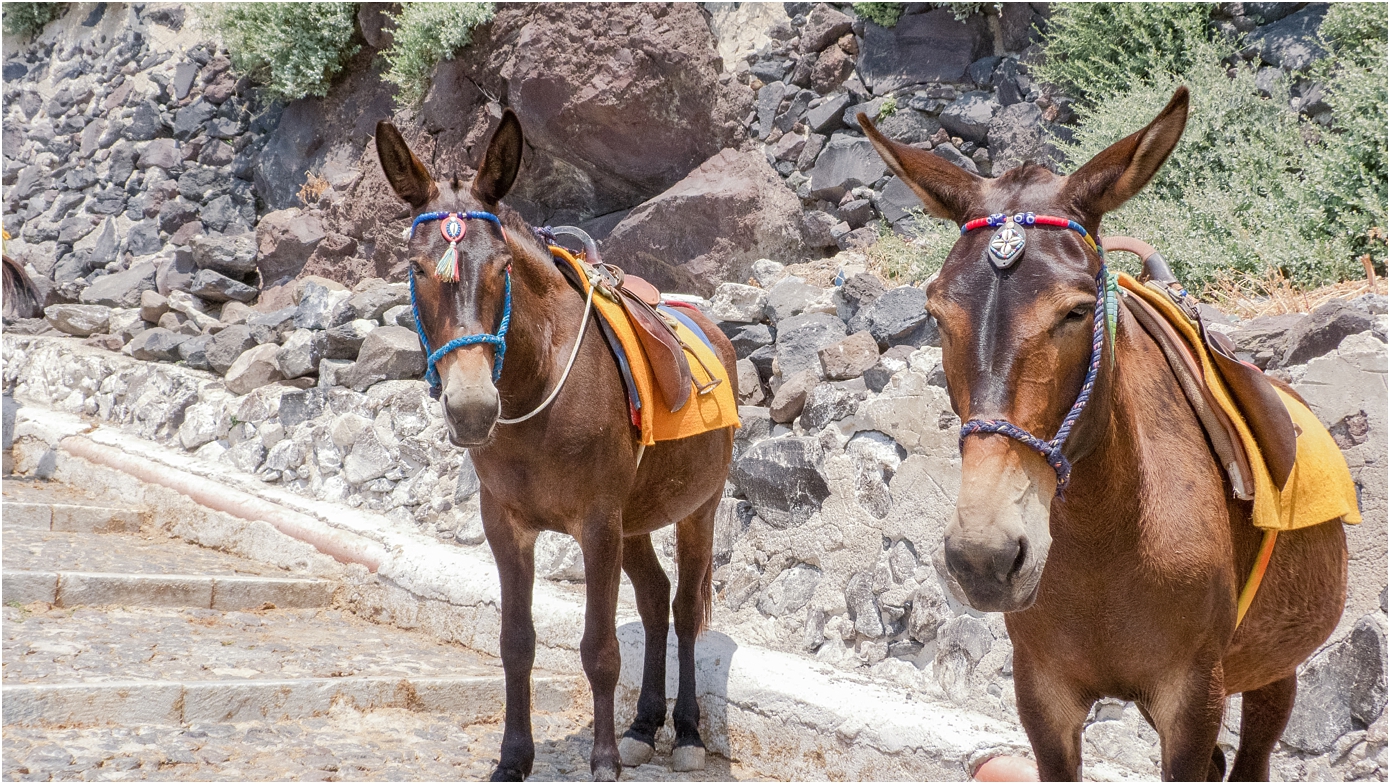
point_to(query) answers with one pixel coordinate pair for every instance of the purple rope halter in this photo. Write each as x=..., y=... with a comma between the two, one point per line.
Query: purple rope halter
x=1052, y=450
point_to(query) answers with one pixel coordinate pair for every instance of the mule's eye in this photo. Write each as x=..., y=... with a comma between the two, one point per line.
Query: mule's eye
x=1079, y=313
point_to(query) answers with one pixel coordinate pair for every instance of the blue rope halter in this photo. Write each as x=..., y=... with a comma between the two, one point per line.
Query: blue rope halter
x=1104, y=321
x=497, y=340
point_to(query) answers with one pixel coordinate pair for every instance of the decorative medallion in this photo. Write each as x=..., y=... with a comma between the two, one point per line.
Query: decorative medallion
x=452, y=228
x=1006, y=245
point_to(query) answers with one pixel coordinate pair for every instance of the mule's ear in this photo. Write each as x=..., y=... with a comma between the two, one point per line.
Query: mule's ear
x=1125, y=167
x=408, y=177
x=946, y=190
x=500, y=163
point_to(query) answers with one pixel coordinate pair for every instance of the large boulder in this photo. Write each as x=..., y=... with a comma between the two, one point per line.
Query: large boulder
x=79, y=320
x=388, y=353
x=922, y=48
x=1292, y=42
x=847, y=162
x=233, y=255
x=122, y=289
x=620, y=116
x=285, y=239
x=1322, y=331
x=800, y=339
x=780, y=477
x=254, y=369
x=224, y=347
x=711, y=226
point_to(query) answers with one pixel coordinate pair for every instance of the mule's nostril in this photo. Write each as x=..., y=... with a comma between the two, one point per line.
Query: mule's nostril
x=1022, y=557
x=1007, y=560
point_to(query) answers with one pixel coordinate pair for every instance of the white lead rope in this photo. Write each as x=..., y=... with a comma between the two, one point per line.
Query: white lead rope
x=583, y=327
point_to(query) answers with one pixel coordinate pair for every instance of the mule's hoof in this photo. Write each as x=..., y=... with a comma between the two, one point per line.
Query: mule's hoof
x=685, y=759
x=507, y=774
x=606, y=772
x=634, y=752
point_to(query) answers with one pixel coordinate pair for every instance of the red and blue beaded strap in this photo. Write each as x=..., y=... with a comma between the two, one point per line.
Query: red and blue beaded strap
x=1031, y=219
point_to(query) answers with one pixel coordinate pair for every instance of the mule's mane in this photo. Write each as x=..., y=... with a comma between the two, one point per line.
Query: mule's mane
x=1029, y=173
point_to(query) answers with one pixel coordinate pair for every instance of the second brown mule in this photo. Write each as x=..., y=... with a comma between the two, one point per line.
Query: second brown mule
x=573, y=468
x=1126, y=585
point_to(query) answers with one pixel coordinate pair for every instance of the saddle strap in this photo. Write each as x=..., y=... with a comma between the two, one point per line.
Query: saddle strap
x=1221, y=433
x=664, y=352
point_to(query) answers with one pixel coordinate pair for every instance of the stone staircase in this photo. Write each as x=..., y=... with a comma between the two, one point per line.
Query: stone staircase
x=131, y=654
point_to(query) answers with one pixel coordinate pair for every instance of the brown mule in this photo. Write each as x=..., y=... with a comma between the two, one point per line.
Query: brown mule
x=1145, y=552
x=572, y=468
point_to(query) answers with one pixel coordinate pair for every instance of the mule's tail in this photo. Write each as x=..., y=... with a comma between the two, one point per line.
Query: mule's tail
x=21, y=295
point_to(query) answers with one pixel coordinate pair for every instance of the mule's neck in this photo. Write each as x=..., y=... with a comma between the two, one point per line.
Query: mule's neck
x=546, y=313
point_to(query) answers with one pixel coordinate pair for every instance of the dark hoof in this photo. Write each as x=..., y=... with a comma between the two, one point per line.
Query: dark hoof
x=606, y=772
x=507, y=774
x=685, y=759
x=634, y=752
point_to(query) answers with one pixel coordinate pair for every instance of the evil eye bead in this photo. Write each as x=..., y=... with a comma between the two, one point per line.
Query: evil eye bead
x=452, y=228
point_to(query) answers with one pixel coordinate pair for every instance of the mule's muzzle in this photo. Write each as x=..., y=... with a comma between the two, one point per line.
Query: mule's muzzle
x=470, y=412
x=1000, y=574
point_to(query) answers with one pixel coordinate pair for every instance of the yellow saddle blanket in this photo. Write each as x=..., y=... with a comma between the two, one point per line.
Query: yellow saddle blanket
x=713, y=410
x=1319, y=487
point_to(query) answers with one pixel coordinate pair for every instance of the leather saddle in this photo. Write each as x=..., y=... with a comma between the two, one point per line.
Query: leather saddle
x=639, y=299
x=1254, y=392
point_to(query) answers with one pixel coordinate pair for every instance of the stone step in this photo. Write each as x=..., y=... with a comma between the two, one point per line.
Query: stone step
x=221, y=592
x=71, y=518
x=466, y=698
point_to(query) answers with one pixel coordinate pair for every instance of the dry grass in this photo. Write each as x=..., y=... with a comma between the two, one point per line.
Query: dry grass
x=1246, y=296
x=313, y=187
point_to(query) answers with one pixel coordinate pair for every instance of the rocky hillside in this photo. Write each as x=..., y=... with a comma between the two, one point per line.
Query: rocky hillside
x=218, y=274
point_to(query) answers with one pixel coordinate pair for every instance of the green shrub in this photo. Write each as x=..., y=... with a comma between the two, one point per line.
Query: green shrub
x=887, y=109
x=881, y=14
x=25, y=19
x=1094, y=50
x=425, y=34
x=294, y=48
x=1246, y=191
x=917, y=252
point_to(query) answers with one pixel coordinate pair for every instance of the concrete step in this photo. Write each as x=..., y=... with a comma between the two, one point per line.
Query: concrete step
x=466, y=698
x=76, y=518
x=224, y=592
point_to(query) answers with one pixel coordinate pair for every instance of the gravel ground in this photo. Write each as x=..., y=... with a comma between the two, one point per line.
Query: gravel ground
x=383, y=745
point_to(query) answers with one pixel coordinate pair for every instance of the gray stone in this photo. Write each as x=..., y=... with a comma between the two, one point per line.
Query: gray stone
x=335, y=372
x=224, y=347
x=1322, y=331
x=228, y=215
x=175, y=271
x=909, y=126
x=157, y=344
x=272, y=327
x=739, y=303
x=126, y=324
x=79, y=320
x=889, y=362
x=930, y=612
x=388, y=353
x=143, y=238
x=827, y=117
x=216, y=287
x=750, y=385
x=399, y=316
x=345, y=340
x=748, y=338
x=800, y=339
x=847, y=162
x=767, y=273
x=921, y=48
x=792, y=296
x=849, y=358
x=121, y=289
x=162, y=154
x=1291, y=42
x=818, y=226
x=955, y=157
x=828, y=403
x=790, y=399
x=299, y=356
x=285, y=240
x=1016, y=137
x=857, y=212
x=780, y=478
x=824, y=26
x=769, y=99
x=858, y=292
x=468, y=483
x=960, y=644
x=193, y=118
x=193, y=352
x=371, y=304
x=790, y=591
x=897, y=317
x=1265, y=337
x=316, y=305
x=1339, y=688
x=969, y=116
x=254, y=369
x=233, y=256
x=368, y=458
x=863, y=605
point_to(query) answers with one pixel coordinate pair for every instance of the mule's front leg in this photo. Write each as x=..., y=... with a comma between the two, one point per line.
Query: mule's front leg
x=513, y=548
x=602, y=544
x=1053, y=713
x=1186, y=711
